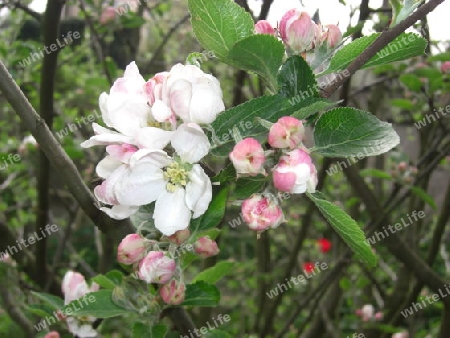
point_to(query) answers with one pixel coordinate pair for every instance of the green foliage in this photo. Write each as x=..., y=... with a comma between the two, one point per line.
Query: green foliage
x=140, y=330
x=201, y=294
x=215, y=273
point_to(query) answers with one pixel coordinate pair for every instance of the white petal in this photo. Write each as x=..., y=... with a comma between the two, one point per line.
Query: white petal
x=161, y=112
x=102, y=102
x=198, y=191
x=153, y=138
x=104, y=136
x=171, y=212
x=119, y=211
x=190, y=142
x=128, y=112
x=158, y=158
x=107, y=166
x=180, y=98
x=205, y=106
x=105, y=191
x=141, y=185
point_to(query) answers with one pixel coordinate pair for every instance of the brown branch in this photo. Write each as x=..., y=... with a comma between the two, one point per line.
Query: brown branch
x=382, y=41
x=28, y=10
x=58, y=157
x=50, y=29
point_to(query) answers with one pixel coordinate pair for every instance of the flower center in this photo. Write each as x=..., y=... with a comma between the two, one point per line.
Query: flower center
x=176, y=176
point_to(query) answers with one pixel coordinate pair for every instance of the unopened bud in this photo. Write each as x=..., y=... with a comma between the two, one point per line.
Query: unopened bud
x=261, y=212
x=156, y=268
x=288, y=132
x=264, y=27
x=180, y=236
x=248, y=157
x=173, y=292
x=131, y=250
x=206, y=247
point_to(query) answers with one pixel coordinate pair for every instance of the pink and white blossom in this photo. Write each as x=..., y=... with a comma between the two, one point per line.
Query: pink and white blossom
x=206, y=247
x=156, y=267
x=248, y=157
x=131, y=249
x=297, y=31
x=173, y=293
x=265, y=27
x=261, y=212
x=287, y=132
x=295, y=173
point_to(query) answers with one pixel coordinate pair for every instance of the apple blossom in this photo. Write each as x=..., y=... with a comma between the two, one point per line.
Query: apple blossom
x=445, y=67
x=192, y=95
x=53, y=334
x=248, y=157
x=287, y=132
x=173, y=292
x=264, y=27
x=295, y=173
x=156, y=268
x=74, y=287
x=297, y=30
x=332, y=37
x=131, y=249
x=206, y=247
x=262, y=212
x=108, y=14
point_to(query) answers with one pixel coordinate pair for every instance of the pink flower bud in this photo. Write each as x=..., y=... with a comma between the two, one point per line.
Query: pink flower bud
x=108, y=14
x=180, y=236
x=445, y=67
x=156, y=268
x=261, y=212
x=295, y=173
x=264, y=27
x=288, y=132
x=52, y=334
x=248, y=157
x=379, y=316
x=402, y=166
x=297, y=30
x=332, y=37
x=206, y=247
x=173, y=292
x=131, y=250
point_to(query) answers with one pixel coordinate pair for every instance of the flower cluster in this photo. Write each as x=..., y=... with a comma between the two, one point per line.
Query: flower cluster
x=155, y=143
x=367, y=313
x=160, y=267
x=300, y=34
x=294, y=173
x=74, y=287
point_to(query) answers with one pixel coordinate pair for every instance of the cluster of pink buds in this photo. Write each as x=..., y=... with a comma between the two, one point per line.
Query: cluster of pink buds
x=160, y=267
x=367, y=313
x=404, y=173
x=294, y=173
x=300, y=34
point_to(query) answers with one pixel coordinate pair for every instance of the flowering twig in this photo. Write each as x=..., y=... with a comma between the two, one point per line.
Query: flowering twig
x=383, y=40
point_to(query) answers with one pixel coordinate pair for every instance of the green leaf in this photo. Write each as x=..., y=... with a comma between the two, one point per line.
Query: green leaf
x=214, y=274
x=104, y=282
x=346, y=227
x=201, y=294
x=400, y=12
x=41, y=310
x=247, y=186
x=140, y=330
x=115, y=276
x=412, y=82
x=403, y=47
x=440, y=57
x=55, y=302
x=219, y=24
x=312, y=106
x=260, y=53
x=216, y=210
x=217, y=334
x=225, y=175
x=403, y=103
x=424, y=197
x=375, y=173
x=244, y=117
x=345, y=132
x=296, y=77
x=97, y=304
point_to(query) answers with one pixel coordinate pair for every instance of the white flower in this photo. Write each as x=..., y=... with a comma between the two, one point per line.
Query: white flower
x=193, y=95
